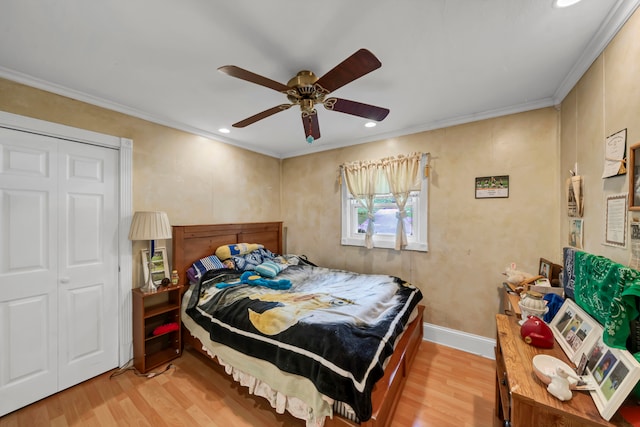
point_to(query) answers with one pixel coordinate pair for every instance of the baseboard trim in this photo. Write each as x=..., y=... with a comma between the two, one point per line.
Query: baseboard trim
x=463, y=341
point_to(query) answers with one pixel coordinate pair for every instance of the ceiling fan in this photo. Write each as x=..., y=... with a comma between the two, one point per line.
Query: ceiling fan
x=307, y=90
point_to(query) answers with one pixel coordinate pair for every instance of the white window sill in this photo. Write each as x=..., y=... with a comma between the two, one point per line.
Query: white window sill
x=385, y=243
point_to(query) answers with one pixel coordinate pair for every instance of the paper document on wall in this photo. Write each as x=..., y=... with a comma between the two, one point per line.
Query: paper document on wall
x=615, y=150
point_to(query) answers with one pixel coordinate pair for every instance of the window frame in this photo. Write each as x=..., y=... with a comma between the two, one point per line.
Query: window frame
x=419, y=224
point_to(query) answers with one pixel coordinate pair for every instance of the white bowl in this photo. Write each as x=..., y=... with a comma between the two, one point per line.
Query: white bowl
x=545, y=367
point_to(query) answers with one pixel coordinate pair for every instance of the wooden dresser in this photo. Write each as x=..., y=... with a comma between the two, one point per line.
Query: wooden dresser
x=522, y=399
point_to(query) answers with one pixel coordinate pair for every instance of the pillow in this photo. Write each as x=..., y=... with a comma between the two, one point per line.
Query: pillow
x=192, y=275
x=227, y=251
x=253, y=259
x=270, y=269
x=205, y=264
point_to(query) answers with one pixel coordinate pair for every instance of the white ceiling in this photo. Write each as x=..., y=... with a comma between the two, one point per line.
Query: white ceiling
x=443, y=61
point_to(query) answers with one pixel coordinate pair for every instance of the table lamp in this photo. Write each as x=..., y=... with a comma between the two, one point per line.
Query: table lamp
x=150, y=226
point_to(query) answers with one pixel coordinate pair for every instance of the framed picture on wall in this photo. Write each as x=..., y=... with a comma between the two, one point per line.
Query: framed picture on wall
x=159, y=265
x=615, y=233
x=489, y=187
x=634, y=177
x=576, y=232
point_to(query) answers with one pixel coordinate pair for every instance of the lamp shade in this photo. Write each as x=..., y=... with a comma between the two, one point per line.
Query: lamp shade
x=150, y=226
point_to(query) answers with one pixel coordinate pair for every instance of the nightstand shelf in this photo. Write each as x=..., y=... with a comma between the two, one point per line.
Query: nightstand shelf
x=151, y=310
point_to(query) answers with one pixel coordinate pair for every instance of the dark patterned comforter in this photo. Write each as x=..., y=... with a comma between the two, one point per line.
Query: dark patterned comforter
x=334, y=327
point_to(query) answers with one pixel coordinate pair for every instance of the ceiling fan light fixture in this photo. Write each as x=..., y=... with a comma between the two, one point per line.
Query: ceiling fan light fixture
x=370, y=124
x=564, y=3
x=224, y=130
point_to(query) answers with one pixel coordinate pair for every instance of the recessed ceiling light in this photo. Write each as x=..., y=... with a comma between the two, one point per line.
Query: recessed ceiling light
x=224, y=130
x=564, y=3
x=370, y=124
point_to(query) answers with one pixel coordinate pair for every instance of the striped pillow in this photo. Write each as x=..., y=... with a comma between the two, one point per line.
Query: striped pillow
x=270, y=269
x=205, y=264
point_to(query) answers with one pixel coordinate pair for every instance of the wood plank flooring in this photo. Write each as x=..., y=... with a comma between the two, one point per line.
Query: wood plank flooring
x=446, y=387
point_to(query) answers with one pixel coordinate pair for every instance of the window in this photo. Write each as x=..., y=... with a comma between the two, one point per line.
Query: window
x=385, y=217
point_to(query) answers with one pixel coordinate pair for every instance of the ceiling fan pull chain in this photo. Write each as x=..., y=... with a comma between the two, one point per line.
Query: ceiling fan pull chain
x=310, y=133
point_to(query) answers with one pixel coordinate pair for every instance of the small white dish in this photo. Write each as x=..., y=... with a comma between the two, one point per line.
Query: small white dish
x=545, y=367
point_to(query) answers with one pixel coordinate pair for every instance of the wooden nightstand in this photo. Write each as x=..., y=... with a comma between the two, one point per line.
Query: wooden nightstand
x=150, y=311
x=522, y=399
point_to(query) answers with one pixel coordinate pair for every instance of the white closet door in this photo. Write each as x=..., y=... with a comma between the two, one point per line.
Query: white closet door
x=58, y=265
x=88, y=262
x=28, y=269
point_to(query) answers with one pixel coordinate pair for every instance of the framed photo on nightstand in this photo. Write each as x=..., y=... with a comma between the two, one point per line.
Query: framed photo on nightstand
x=160, y=265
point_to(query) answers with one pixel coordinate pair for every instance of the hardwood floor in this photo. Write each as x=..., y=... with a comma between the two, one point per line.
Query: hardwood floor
x=446, y=387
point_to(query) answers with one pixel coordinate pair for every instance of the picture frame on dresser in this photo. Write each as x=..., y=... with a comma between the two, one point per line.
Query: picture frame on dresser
x=574, y=330
x=614, y=372
x=549, y=270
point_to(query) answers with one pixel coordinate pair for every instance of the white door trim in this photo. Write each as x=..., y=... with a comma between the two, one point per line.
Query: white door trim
x=125, y=147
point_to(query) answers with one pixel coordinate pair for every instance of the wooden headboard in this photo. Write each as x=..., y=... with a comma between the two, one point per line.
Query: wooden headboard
x=192, y=242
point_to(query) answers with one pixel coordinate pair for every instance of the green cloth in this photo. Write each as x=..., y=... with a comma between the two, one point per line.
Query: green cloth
x=607, y=290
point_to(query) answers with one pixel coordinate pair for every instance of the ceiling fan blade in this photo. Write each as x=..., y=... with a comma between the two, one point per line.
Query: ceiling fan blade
x=311, y=126
x=243, y=74
x=357, y=65
x=356, y=108
x=262, y=115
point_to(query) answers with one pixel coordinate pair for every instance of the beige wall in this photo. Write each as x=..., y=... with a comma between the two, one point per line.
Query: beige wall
x=604, y=101
x=471, y=241
x=194, y=179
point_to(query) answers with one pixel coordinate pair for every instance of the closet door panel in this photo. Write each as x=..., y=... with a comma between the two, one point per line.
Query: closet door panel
x=28, y=269
x=85, y=305
x=27, y=349
x=88, y=264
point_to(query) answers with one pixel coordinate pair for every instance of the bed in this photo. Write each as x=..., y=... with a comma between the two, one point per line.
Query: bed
x=286, y=390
